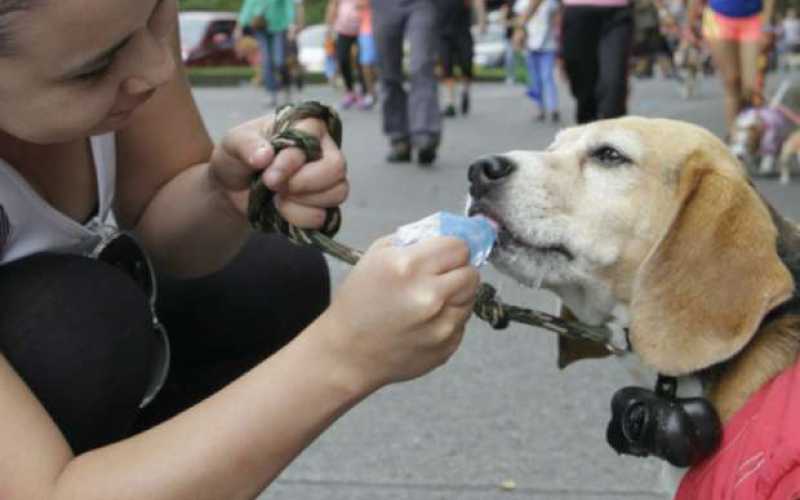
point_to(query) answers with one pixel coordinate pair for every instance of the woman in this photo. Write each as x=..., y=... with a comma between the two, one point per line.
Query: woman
x=343, y=19
x=95, y=115
x=595, y=46
x=537, y=26
x=270, y=21
x=736, y=31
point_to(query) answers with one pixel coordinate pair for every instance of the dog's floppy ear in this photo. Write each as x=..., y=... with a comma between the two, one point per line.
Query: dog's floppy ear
x=702, y=291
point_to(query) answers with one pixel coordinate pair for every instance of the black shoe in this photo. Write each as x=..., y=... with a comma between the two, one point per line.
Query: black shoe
x=400, y=152
x=465, y=103
x=427, y=154
x=555, y=117
x=449, y=111
x=541, y=117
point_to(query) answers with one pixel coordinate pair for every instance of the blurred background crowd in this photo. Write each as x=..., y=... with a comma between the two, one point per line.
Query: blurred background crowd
x=416, y=59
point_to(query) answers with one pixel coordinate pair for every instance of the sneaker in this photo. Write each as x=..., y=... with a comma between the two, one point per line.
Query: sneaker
x=400, y=152
x=449, y=111
x=348, y=100
x=427, y=154
x=366, y=102
x=555, y=117
x=541, y=116
x=465, y=103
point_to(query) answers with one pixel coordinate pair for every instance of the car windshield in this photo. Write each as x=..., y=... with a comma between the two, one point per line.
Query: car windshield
x=192, y=31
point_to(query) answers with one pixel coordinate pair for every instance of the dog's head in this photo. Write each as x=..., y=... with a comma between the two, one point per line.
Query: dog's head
x=652, y=217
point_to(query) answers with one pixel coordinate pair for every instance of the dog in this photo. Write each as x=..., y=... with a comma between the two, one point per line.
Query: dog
x=758, y=136
x=654, y=226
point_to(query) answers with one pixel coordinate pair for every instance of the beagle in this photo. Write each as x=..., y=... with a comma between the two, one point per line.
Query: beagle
x=653, y=225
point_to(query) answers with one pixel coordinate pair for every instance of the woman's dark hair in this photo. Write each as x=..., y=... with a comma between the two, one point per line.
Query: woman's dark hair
x=7, y=8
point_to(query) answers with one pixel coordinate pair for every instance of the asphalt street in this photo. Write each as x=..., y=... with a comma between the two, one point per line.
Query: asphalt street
x=499, y=421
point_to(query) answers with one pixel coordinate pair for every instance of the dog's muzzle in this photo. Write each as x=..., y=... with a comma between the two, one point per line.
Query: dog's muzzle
x=486, y=172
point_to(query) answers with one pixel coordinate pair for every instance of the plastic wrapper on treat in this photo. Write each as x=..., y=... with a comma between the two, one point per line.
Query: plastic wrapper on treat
x=477, y=232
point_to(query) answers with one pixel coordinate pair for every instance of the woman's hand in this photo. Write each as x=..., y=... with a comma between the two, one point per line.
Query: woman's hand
x=303, y=190
x=401, y=312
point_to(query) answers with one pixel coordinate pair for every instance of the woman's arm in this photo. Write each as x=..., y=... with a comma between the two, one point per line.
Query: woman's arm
x=187, y=198
x=231, y=445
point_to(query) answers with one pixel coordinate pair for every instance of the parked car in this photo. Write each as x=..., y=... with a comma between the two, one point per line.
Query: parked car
x=207, y=39
x=311, y=46
x=490, y=47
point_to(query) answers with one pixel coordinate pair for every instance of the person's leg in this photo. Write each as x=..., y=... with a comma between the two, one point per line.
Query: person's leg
x=466, y=53
x=425, y=121
x=366, y=58
x=447, y=55
x=534, y=83
x=613, y=50
x=344, y=44
x=749, y=53
x=546, y=68
x=79, y=333
x=279, y=48
x=389, y=20
x=224, y=324
x=510, y=63
x=267, y=70
x=725, y=54
x=579, y=38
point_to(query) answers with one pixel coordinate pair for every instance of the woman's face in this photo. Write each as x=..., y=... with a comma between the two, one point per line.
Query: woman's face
x=81, y=67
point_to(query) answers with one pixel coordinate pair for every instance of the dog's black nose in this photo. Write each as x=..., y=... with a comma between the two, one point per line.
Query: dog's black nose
x=487, y=170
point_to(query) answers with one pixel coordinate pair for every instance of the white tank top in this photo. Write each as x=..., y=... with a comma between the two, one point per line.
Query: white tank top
x=32, y=225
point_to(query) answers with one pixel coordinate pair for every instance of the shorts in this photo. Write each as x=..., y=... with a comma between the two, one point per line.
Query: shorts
x=456, y=50
x=367, y=55
x=737, y=29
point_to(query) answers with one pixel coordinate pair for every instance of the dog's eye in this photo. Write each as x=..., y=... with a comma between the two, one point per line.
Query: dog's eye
x=608, y=156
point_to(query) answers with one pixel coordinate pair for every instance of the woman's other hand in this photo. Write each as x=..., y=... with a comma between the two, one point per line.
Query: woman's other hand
x=401, y=312
x=303, y=189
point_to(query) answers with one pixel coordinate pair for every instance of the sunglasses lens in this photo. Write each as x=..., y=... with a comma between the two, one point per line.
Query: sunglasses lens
x=124, y=253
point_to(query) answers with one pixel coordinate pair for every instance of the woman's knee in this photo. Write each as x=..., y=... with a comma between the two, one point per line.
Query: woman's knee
x=79, y=332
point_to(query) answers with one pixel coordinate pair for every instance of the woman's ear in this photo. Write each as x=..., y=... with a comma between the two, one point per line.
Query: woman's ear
x=702, y=292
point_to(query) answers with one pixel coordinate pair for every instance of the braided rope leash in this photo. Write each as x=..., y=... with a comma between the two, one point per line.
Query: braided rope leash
x=263, y=216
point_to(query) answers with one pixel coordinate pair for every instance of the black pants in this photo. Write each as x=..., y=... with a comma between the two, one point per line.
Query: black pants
x=344, y=55
x=596, y=45
x=79, y=332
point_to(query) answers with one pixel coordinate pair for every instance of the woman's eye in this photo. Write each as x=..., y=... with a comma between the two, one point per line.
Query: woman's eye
x=609, y=156
x=95, y=73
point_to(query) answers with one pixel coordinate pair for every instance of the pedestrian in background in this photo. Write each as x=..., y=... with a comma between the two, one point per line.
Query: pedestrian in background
x=269, y=21
x=537, y=26
x=736, y=33
x=596, y=43
x=456, y=48
x=410, y=119
x=367, y=55
x=506, y=10
x=343, y=19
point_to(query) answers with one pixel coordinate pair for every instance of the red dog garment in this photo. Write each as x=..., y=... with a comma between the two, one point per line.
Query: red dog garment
x=759, y=457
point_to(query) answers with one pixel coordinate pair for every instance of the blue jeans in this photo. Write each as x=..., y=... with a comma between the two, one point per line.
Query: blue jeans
x=273, y=57
x=541, y=79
